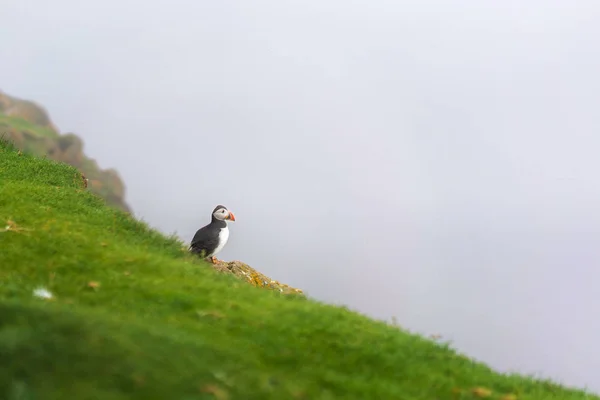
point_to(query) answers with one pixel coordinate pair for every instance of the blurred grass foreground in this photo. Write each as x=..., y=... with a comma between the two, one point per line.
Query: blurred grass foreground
x=96, y=305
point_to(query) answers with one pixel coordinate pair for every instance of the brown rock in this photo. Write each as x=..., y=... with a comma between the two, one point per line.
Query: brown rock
x=255, y=278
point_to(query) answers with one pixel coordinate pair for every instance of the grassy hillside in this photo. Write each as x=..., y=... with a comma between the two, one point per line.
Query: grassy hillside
x=29, y=127
x=132, y=316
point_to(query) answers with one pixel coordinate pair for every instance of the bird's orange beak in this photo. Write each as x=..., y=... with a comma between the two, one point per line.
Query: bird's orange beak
x=231, y=216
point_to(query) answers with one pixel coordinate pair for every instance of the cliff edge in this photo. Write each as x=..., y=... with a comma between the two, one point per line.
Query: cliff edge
x=30, y=128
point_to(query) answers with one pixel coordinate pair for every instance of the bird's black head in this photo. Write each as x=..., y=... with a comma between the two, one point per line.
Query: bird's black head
x=217, y=208
x=221, y=213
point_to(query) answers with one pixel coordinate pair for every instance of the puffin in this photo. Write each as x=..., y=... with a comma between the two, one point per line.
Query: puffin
x=210, y=239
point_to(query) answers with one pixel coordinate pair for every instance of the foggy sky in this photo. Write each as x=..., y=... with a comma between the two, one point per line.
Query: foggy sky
x=436, y=161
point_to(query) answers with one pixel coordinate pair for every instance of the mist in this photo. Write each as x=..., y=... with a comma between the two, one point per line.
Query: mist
x=430, y=161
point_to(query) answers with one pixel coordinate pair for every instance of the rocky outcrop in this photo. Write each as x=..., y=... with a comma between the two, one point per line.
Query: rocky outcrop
x=253, y=277
x=30, y=128
x=24, y=109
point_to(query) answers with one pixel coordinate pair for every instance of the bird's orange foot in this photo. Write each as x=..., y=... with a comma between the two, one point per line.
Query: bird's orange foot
x=214, y=260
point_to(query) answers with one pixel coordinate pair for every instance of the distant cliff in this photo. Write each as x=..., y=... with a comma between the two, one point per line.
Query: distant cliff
x=29, y=127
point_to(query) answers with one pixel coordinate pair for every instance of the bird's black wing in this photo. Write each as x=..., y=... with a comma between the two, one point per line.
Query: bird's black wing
x=204, y=239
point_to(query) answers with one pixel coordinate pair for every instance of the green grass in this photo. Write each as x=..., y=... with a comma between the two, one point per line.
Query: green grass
x=158, y=324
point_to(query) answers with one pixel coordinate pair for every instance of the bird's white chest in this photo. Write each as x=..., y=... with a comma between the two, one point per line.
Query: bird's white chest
x=223, y=238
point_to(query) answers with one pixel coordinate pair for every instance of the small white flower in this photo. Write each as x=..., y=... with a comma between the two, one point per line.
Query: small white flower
x=42, y=293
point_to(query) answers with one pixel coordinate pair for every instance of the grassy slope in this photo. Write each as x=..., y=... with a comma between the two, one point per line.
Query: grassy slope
x=162, y=325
